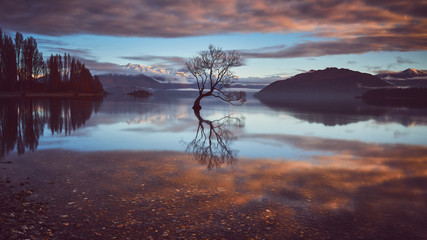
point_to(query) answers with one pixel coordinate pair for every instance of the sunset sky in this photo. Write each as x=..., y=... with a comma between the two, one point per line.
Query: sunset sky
x=276, y=38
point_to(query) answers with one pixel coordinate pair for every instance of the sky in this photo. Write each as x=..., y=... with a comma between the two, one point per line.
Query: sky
x=275, y=38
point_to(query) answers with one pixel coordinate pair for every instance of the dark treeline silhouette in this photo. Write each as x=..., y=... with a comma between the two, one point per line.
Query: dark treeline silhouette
x=23, y=120
x=22, y=68
x=397, y=97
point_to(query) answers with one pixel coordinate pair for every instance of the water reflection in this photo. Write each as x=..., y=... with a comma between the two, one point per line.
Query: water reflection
x=349, y=194
x=346, y=111
x=22, y=121
x=211, y=145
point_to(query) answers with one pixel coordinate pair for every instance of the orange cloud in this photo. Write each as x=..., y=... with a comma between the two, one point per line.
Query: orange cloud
x=356, y=26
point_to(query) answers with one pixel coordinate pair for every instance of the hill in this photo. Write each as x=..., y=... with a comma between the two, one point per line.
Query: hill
x=327, y=84
x=116, y=80
x=119, y=83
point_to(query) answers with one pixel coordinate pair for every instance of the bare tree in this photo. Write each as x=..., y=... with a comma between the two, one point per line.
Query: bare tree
x=211, y=69
x=212, y=144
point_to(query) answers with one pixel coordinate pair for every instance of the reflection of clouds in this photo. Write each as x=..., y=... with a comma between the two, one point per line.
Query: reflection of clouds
x=355, y=148
x=156, y=118
x=364, y=187
x=398, y=134
x=181, y=126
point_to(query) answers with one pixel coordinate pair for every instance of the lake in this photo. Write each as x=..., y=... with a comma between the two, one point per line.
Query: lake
x=126, y=168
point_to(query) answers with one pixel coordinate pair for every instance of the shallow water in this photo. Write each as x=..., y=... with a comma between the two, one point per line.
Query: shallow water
x=151, y=167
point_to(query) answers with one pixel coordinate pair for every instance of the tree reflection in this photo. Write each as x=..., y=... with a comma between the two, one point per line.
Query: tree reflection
x=211, y=146
x=22, y=121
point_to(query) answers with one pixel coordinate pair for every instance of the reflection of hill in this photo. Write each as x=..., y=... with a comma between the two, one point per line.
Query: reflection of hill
x=397, y=97
x=348, y=111
x=409, y=83
x=22, y=121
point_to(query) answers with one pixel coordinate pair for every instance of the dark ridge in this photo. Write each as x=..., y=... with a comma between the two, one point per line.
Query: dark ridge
x=397, y=97
x=329, y=83
x=116, y=80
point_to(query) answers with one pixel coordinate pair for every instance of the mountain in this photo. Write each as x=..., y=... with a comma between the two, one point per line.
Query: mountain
x=330, y=83
x=406, y=74
x=124, y=83
x=119, y=83
x=410, y=77
x=165, y=75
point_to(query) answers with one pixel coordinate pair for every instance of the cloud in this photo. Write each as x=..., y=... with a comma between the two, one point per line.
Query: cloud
x=340, y=46
x=342, y=26
x=42, y=41
x=86, y=53
x=102, y=67
x=165, y=18
x=163, y=60
x=401, y=60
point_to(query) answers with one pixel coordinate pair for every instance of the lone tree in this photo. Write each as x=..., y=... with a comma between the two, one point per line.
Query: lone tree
x=211, y=69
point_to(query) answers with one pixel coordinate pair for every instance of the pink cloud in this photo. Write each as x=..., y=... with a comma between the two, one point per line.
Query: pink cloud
x=365, y=24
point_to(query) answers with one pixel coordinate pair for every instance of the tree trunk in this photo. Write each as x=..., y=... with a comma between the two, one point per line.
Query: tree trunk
x=196, y=106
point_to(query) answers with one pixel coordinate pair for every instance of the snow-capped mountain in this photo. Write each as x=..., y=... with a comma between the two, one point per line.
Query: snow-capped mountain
x=406, y=74
x=165, y=75
x=407, y=78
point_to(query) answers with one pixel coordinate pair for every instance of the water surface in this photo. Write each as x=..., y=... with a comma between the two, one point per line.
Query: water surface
x=122, y=166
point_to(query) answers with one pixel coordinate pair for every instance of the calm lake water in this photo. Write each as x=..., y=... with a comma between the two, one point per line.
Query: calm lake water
x=151, y=167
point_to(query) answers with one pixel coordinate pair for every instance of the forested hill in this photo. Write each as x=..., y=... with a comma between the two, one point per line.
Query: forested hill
x=329, y=83
x=22, y=69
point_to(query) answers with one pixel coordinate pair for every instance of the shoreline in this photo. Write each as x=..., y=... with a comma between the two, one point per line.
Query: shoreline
x=48, y=94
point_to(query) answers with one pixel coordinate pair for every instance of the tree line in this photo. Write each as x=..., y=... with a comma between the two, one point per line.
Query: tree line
x=22, y=69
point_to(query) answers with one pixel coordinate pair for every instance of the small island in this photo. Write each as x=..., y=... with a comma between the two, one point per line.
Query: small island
x=139, y=93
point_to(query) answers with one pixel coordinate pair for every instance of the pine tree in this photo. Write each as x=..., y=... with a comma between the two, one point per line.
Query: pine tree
x=19, y=41
x=28, y=52
x=8, y=59
x=38, y=64
x=2, y=83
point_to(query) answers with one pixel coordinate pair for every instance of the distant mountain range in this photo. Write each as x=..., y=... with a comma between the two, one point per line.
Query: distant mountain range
x=330, y=83
x=407, y=78
x=164, y=75
x=136, y=76
x=119, y=83
x=406, y=74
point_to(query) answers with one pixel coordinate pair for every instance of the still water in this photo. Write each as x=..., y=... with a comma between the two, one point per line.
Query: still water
x=270, y=171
